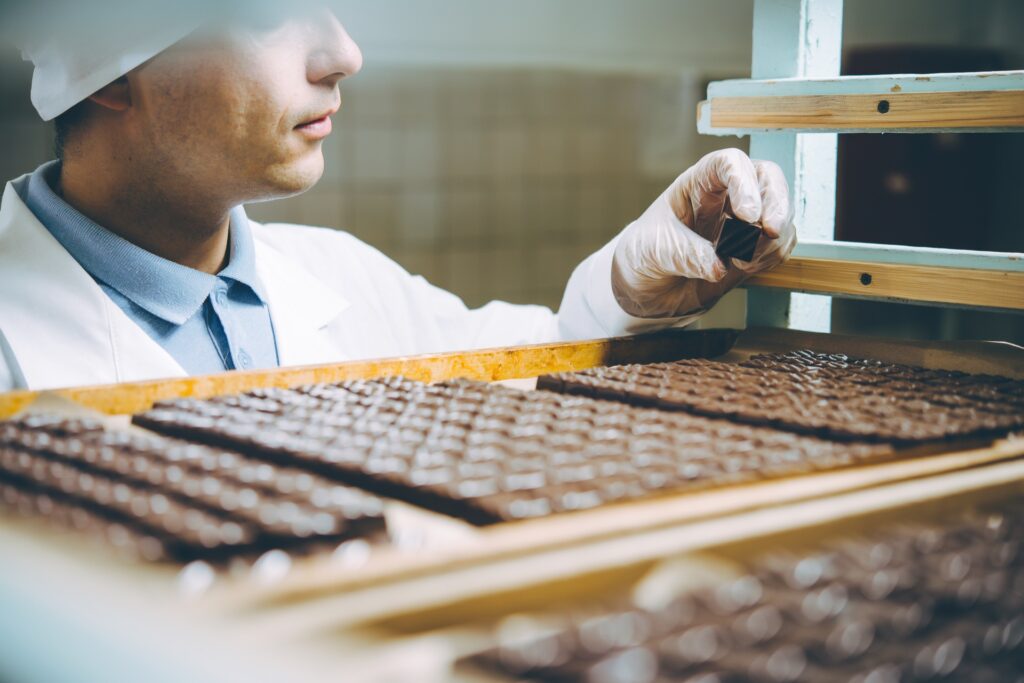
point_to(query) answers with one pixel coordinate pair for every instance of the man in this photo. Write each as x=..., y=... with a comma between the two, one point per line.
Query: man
x=131, y=257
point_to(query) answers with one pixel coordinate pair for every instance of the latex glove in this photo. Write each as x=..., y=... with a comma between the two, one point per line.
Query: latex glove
x=665, y=264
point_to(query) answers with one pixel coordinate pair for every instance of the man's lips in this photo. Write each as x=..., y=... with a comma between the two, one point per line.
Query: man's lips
x=318, y=127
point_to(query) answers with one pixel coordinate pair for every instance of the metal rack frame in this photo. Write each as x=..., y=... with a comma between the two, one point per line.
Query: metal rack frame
x=793, y=107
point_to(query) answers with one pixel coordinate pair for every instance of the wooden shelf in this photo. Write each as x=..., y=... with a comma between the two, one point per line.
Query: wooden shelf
x=899, y=282
x=485, y=364
x=969, y=102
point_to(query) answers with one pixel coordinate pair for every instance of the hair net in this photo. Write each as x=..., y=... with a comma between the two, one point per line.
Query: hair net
x=79, y=46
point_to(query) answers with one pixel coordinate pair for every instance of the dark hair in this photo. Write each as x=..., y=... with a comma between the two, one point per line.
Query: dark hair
x=64, y=124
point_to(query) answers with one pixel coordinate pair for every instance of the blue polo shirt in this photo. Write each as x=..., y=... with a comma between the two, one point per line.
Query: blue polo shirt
x=208, y=323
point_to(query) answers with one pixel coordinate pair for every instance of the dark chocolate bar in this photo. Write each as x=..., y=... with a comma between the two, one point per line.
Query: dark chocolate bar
x=738, y=240
x=830, y=396
x=164, y=499
x=922, y=602
x=487, y=453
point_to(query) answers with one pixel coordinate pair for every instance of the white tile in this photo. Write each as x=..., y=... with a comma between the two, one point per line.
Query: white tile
x=543, y=96
x=419, y=220
x=420, y=152
x=461, y=153
x=367, y=102
x=418, y=103
x=547, y=150
x=320, y=208
x=547, y=213
x=374, y=215
x=504, y=208
x=376, y=154
x=504, y=96
x=277, y=211
x=502, y=273
x=505, y=149
x=463, y=215
x=553, y=267
x=589, y=151
x=591, y=216
x=461, y=96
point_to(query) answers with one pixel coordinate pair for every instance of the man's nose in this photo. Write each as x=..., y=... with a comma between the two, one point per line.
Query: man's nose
x=335, y=55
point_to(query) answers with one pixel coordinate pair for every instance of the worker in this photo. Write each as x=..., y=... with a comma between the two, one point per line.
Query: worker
x=130, y=256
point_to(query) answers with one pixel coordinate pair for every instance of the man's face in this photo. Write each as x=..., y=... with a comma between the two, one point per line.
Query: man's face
x=240, y=113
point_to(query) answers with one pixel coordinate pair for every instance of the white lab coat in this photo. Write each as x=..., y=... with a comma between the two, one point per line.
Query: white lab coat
x=331, y=298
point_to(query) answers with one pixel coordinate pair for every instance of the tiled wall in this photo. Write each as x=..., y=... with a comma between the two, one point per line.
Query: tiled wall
x=496, y=183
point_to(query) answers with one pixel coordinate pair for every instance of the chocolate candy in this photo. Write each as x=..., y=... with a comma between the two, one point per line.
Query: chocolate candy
x=806, y=617
x=738, y=240
x=831, y=396
x=163, y=499
x=487, y=453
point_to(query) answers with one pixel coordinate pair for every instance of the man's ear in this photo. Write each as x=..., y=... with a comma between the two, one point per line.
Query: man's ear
x=116, y=95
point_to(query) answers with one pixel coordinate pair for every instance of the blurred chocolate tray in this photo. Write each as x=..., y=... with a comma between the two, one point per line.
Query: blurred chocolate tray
x=408, y=609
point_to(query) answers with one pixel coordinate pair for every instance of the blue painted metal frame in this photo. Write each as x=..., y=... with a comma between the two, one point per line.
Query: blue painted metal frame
x=793, y=46
x=798, y=39
x=912, y=256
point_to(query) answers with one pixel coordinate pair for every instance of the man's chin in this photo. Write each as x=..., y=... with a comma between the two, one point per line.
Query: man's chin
x=293, y=179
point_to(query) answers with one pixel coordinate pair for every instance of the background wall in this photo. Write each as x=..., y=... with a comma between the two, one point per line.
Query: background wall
x=491, y=146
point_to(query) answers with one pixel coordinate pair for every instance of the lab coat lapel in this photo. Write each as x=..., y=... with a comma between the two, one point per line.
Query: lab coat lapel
x=62, y=329
x=301, y=309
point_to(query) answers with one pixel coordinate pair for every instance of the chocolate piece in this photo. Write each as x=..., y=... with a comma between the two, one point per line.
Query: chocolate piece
x=805, y=617
x=738, y=240
x=828, y=395
x=487, y=453
x=166, y=499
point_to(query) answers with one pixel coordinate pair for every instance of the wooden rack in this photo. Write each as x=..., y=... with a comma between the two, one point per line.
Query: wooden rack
x=793, y=106
x=379, y=610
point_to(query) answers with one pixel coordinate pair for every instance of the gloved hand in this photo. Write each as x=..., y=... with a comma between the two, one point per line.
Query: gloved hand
x=665, y=263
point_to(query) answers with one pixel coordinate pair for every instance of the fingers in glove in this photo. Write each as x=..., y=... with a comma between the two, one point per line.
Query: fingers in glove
x=770, y=252
x=774, y=191
x=733, y=170
x=719, y=179
x=685, y=254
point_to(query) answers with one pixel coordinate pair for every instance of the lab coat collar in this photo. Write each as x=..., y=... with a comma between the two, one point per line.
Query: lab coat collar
x=64, y=331
x=301, y=306
x=59, y=325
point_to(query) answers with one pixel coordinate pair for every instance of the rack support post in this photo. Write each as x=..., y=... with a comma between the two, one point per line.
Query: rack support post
x=801, y=38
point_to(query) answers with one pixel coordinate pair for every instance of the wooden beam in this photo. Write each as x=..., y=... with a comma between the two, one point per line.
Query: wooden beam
x=968, y=259
x=521, y=553
x=895, y=111
x=486, y=365
x=926, y=284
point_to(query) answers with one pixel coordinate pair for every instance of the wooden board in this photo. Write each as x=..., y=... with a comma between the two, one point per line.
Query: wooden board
x=316, y=578
x=332, y=615
x=926, y=284
x=993, y=109
x=485, y=364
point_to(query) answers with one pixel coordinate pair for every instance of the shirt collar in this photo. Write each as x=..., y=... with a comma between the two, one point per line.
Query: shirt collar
x=164, y=288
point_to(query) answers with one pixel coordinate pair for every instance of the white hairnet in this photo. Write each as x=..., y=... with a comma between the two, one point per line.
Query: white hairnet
x=79, y=47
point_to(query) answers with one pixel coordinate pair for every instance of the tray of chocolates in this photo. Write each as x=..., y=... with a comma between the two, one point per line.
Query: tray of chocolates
x=937, y=600
x=827, y=395
x=487, y=453
x=162, y=499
